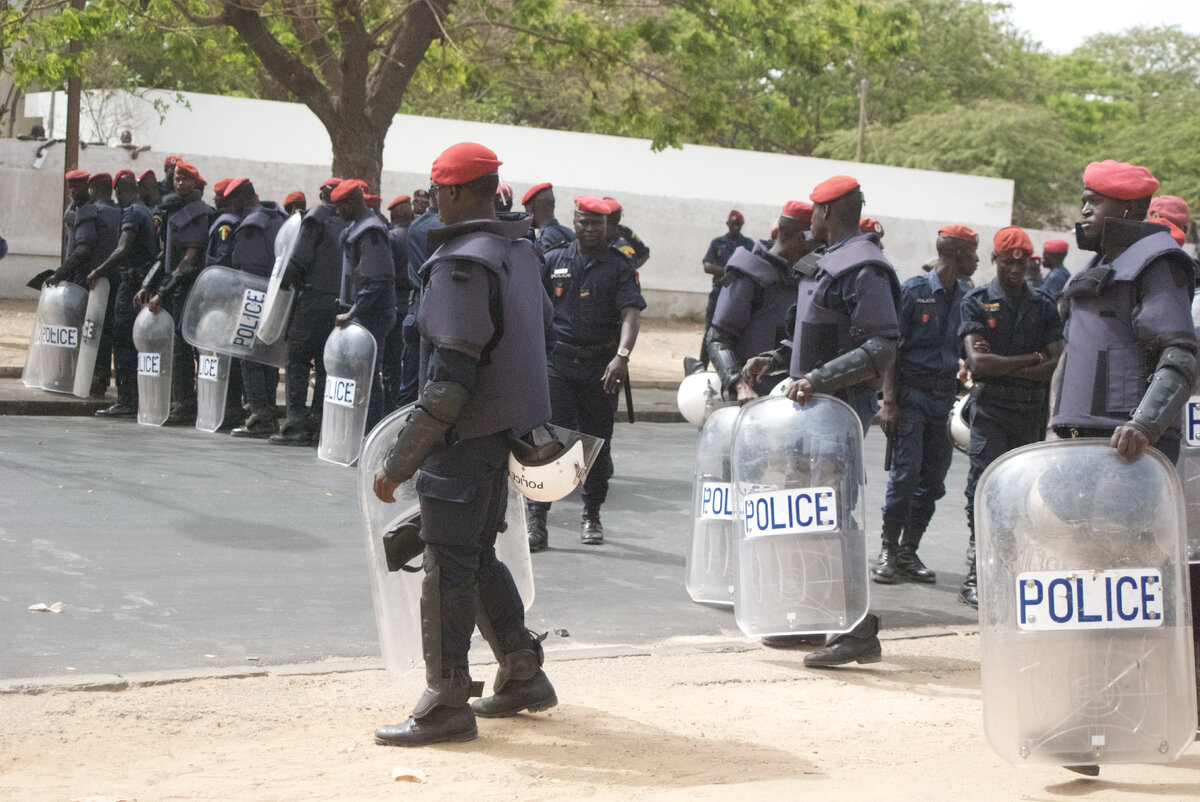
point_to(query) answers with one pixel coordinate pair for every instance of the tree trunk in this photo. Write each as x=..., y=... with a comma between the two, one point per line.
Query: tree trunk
x=358, y=150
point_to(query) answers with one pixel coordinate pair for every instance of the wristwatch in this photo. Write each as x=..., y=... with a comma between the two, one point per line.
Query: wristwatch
x=623, y=352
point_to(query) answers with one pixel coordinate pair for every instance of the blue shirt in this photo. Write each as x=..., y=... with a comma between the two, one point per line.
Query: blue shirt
x=418, y=243
x=721, y=248
x=143, y=250
x=929, y=322
x=554, y=234
x=1054, y=282
x=588, y=296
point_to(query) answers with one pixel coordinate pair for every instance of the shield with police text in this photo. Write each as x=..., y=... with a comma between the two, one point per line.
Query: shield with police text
x=154, y=338
x=278, y=306
x=224, y=313
x=349, y=367
x=1084, y=607
x=396, y=586
x=711, y=561
x=799, y=517
x=89, y=337
x=1189, y=474
x=212, y=389
x=61, y=311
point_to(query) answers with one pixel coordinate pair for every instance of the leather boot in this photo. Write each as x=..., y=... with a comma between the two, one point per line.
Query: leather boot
x=260, y=424
x=969, y=592
x=591, y=530
x=791, y=641
x=439, y=726
x=884, y=570
x=860, y=645
x=292, y=434
x=539, y=536
x=520, y=683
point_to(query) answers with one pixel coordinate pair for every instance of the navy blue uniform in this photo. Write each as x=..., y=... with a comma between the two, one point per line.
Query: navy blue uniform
x=417, y=247
x=719, y=251
x=554, y=234
x=1055, y=281
x=588, y=298
x=369, y=292
x=143, y=250
x=394, y=352
x=926, y=368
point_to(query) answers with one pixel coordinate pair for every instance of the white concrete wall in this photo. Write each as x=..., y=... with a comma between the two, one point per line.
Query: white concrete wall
x=676, y=200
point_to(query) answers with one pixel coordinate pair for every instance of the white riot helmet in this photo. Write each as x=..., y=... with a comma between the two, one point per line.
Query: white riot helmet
x=958, y=429
x=555, y=464
x=699, y=394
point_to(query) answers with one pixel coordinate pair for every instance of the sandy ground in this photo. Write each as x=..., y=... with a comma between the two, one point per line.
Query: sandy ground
x=674, y=723
x=662, y=343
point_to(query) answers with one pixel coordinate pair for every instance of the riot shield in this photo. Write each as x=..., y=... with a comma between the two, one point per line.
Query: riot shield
x=397, y=593
x=1085, y=618
x=212, y=389
x=154, y=338
x=711, y=572
x=89, y=338
x=1189, y=474
x=60, y=322
x=31, y=374
x=278, y=306
x=799, y=517
x=349, y=365
x=224, y=313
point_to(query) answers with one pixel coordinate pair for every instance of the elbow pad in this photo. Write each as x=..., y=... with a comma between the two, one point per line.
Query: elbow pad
x=1170, y=386
x=438, y=409
x=724, y=362
x=864, y=363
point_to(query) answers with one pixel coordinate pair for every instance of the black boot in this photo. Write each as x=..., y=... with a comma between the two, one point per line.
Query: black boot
x=969, y=592
x=260, y=424
x=591, y=531
x=860, y=644
x=791, y=641
x=292, y=434
x=442, y=714
x=520, y=684
x=539, y=536
x=884, y=571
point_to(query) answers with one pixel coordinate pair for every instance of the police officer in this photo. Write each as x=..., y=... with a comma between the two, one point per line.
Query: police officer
x=417, y=246
x=539, y=202
x=844, y=341
x=1171, y=211
x=757, y=290
x=1129, y=316
x=504, y=198
x=167, y=185
x=108, y=216
x=1012, y=336
x=148, y=189
x=481, y=385
x=597, y=312
x=420, y=200
x=622, y=237
x=917, y=397
x=295, y=202
x=1054, y=253
x=719, y=251
x=136, y=250
x=368, y=292
x=315, y=271
x=394, y=353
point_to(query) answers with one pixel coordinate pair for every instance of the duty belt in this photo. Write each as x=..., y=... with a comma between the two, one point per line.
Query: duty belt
x=585, y=353
x=1007, y=392
x=929, y=382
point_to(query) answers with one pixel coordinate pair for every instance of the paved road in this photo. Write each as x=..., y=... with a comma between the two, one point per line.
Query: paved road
x=174, y=549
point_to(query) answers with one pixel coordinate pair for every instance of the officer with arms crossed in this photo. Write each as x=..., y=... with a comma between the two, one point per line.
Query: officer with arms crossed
x=917, y=398
x=844, y=341
x=597, y=312
x=1012, y=336
x=484, y=381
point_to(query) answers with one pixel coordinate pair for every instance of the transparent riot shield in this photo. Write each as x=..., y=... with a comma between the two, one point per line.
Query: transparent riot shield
x=60, y=323
x=31, y=374
x=154, y=338
x=397, y=593
x=89, y=338
x=278, y=306
x=1084, y=607
x=212, y=389
x=799, y=517
x=349, y=365
x=224, y=313
x=711, y=573
x=1189, y=473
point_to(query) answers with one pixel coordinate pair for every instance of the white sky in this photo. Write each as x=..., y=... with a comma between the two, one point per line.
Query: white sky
x=1061, y=25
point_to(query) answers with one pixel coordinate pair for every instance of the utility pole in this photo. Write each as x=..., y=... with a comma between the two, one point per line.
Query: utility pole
x=74, y=89
x=862, y=119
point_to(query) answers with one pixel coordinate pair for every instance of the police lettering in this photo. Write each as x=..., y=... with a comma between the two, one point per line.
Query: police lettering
x=793, y=511
x=89, y=329
x=1191, y=421
x=250, y=318
x=207, y=369
x=1115, y=599
x=60, y=336
x=340, y=391
x=522, y=483
x=716, y=501
x=148, y=364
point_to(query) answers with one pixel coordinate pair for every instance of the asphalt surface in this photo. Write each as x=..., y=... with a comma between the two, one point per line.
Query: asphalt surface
x=175, y=549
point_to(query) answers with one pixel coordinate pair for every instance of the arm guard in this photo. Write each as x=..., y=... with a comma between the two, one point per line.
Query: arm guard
x=440, y=405
x=866, y=362
x=178, y=280
x=1170, y=386
x=724, y=361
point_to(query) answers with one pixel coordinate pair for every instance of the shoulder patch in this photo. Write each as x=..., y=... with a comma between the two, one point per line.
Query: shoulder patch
x=224, y=231
x=627, y=250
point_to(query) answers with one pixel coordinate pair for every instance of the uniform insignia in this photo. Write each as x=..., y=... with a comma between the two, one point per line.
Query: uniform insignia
x=584, y=293
x=991, y=322
x=627, y=250
x=925, y=317
x=992, y=307
x=558, y=291
x=223, y=232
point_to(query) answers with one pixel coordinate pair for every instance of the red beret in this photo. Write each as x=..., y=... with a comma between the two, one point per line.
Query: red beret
x=232, y=185
x=187, y=170
x=504, y=192
x=868, y=226
x=1013, y=242
x=833, y=188
x=77, y=175
x=1173, y=208
x=798, y=210
x=613, y=204
x=372, y=201
x=1173, y=229
x=170, y=160
x=332, y=181
x=590, y=205
x=1119, y=180
x=396, y=201
x=464, y=162
x=734, y=214
x=222, y=185
x=535, y=189
x=1055, y=246
x=100, y=180
x=294, y=197
x=775, y=232
x=959, y=232
x=346, y=189
x=121, y=173
x=148, y=174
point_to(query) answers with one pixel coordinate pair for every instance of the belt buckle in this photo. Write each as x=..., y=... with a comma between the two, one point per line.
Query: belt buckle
x=1074, y=432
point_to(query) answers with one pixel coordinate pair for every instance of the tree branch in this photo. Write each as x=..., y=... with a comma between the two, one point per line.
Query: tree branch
x=303, y=16
x=402, y=54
